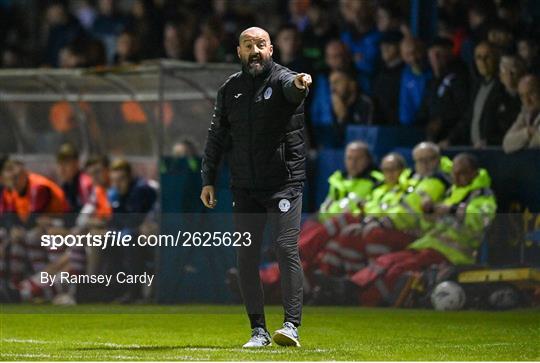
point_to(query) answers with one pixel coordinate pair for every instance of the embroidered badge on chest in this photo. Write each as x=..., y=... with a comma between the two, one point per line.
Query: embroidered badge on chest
x=284, y=205
x=268, y=93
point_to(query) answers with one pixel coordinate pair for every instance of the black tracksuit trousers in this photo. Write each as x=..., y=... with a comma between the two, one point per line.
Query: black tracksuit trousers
x=280, y=211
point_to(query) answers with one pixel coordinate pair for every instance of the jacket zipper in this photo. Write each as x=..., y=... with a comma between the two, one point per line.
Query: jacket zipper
x=250, y=122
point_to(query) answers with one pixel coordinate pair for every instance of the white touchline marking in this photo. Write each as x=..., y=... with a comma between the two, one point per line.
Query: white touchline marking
x=137, y=346
x=29, y=341
x=105, y=344
x=244, y=350
x=26, y=355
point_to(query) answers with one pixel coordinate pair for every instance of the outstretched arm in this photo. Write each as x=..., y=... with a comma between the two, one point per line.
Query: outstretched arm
x=296, y=86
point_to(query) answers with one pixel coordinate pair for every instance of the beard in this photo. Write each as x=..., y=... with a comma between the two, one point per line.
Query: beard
x=256, y=65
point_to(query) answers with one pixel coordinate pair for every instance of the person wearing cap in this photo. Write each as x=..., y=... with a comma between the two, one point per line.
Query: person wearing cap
x=448, y=91
x=387, y=81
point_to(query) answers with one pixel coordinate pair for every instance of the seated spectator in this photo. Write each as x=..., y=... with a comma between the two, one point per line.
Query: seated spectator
x=337, y=57
x=207, y=48
x=511, y=69
x=298, y=14
x=509, y=12
x=319, y=31
x=132, y=199
x=447, y=93
x=185, y=148
x=12, y=57
x=127, y=49
x=450, y=24
x=362, y=38
x=288, y=49
x=461, y=220
x=77, y=185
x=354, y=184
x=389, y=17
x=529, y=50
x=501, y=36
x=108, y=25
x=388, y=191
x=387, y=81
x=479, y=16
x=61, y=29
x=414, y=80
x=485, y=96
x=28, y=195
x=85, y=13
x=71, y=56
x=144, y=21
x=176, y=41
x=525, y=132
x=97, y=210
x=349, y=104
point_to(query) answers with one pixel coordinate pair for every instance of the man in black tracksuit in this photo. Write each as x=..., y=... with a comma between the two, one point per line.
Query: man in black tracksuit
x=258, y=121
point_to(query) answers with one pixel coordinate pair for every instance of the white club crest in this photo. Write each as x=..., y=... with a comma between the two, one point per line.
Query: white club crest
x=268, y=93
x=284, y=205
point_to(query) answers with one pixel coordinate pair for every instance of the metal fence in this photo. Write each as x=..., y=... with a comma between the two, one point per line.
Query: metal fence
x=135, y=112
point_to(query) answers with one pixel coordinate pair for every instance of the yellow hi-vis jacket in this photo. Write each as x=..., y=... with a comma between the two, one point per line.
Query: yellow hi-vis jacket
x=459, y=234
x=385, y=196
x=346, y=193
x=407, y=214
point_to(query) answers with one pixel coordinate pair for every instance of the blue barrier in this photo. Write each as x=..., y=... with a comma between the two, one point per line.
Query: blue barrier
x=383, y=139
x=328, y=161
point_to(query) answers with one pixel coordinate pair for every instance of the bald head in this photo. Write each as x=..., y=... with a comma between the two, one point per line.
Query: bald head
x=426, y=157
x=392, y=165
x=254, y=32
x=357, y=158
x=255, y=50
x=412, y=51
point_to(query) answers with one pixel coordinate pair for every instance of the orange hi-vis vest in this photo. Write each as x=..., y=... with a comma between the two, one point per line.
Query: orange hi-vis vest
x=26, y=204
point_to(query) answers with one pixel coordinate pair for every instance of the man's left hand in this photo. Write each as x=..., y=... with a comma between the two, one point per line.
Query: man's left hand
x=302, y=81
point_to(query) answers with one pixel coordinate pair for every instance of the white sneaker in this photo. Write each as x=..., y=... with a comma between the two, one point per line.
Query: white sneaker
x=287, y=336
x=259, y=338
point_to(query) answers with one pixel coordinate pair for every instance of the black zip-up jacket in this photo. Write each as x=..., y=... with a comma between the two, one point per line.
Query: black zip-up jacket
x=259, y=123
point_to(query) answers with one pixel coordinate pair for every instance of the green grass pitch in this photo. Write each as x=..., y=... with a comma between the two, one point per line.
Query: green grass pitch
x=202, y=332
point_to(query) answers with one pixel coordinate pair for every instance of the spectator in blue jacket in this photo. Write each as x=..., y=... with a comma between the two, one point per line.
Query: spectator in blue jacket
x=362, y=38
x=133, y=201
x=414, y=80
x=108, y=25
x=337, y=58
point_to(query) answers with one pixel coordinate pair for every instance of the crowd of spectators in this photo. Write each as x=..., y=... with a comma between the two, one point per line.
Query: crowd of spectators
x=460, y=87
